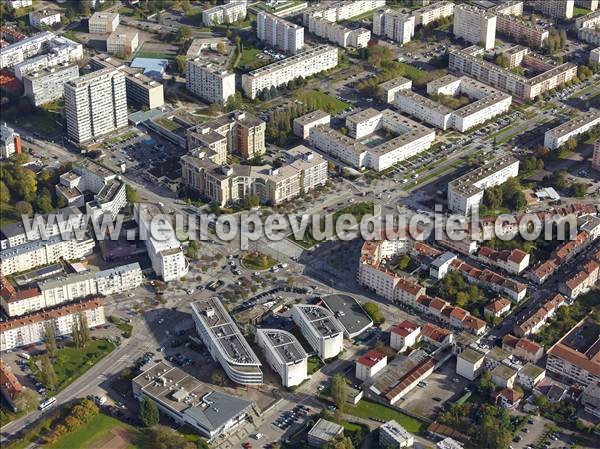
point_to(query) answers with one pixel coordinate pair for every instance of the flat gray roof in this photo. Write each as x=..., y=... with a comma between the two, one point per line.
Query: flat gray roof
x=349, y=313
x=285, y=344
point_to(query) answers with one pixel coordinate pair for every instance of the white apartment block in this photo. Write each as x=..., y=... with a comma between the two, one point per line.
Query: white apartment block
x=285, y=354
x=393, y=435
x=164, y=249
x=31, y=329
x=209, y=81
x=363, y=123
x=95, y=104
x=44, y=18
x=592, y=5
x=39, y=51
x=411, y=139
x=339, y=34
x=589, y=35
x=103, y=22
x=53, y=292
x=342, y=10
x=48, y=84
x=303, y=124
x=321, y=329
x=9, y=140
x=122, y=42
x=475, y=25
x=521, y=31
x=369, y=364
x=404, y=335
x=590, y=20
x=596, y=156
x=556, y=137
x=470, y=62
x=467, y=191
x=394, y=25
x=389, y=88
x=225, y=342
x=432, y=12
x=228, y=13
x=42, y=252
x=509, y=8
x=594, y=57
x=307, y=63
x=557, y=9
x=141, y=89
x=279, y=33
x=16, y=4
x=16, y=233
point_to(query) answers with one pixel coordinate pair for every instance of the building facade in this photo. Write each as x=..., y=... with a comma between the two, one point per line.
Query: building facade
x=209, y=81
x=285, y=355
x=320, y=328
x=475, y=26
x=47, y=84
x=279, y=33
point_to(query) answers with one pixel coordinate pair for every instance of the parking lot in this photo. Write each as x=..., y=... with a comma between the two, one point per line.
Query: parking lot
x=443, y=385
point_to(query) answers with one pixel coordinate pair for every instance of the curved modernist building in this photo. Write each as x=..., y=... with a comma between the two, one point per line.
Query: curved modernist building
x=318, y=325
x=285, y=354
x=225, y=342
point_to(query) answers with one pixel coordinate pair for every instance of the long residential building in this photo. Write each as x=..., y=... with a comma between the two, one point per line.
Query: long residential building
x=589, y=35
x=521, y=31
x=557, y=9
x=556, y=137
x=467, y=191
x=411, y=138
x=42, y=252
x=279, y=33
x=285, y=355
x=95, y=104
x=575, y=358
x=303, y=124
x=339, y=34
x=590, y=20
x=53, y=292
x=103, y=22
x=341, y=10
x=469, y=61
x=48, y=84
x=209, y=81
x=475, y=25
x=141, y=89
x=164, y=249
x=222, y=184
x=187, y=401
x=228, y=13
x=321, y=329
x=394, y=25
x=489, y=103
x=29, y=329
x=225, y=342
x=432, y=12
x=305, y=64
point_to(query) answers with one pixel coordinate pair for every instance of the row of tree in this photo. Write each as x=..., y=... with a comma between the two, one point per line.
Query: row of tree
x=81, y=413
x=508, y=194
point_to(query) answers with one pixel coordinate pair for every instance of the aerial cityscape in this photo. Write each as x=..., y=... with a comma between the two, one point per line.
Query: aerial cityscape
x=294, y=224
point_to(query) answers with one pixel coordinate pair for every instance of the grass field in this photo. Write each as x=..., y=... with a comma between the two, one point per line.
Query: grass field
x=326, y=102
x=249, y=58
x=72, y=362
x=98, y=433
x=411, y=71
x=7, y=214
x=257, y=261
x=369, y=410
x=314, y=364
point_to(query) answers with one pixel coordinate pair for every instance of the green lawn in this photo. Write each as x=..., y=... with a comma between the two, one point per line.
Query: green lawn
x=411, y=71
x=249, y=58
x=322, y=100
x=314, y=364
x=72, y=362
x=131, y=12
x=7, y=214
x=368, y=409
x=257, y=261
x=94, y=433
x=580, y=11
x=358, y=210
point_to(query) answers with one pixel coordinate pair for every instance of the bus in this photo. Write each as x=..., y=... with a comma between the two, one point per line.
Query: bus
x=47, y=403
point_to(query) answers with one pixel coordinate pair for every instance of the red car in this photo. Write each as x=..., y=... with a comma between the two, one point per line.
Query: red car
x=247, y=445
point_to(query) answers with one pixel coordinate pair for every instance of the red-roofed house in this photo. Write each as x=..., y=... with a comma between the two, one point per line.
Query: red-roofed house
x=523, y=348
x=10, y=386
x=370, y=364
x=508, y=398
x=404, y=335
x=436, y=335
x=514, y=261
x=583, y=281
x=497, y=308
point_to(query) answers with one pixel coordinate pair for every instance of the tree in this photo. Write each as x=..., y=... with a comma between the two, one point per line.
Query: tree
x=339, y=391
x=202, y=444
x=374, y=312
x=25, y=183
x=185, y=5
x=579, y=189
x=184, y=33
x=404, y=262
x=340, y=442
x=4, y=193
x=486, y=385
x=148, y=413
x=133, y=195
x=162, y=437
x=24, y=208
x=181, y=64
x=218, y=377
x=50, y=339
x=43, y=203
x=84, y=8
x=84, y=329
x=495, y=431
x=47, y=374
x=222, y=48
x=192, y=251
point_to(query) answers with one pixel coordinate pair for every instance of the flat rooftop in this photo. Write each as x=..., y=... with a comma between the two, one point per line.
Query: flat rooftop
x=396, y=82
x=321, y=319
x=466, y=184
x=348, y=312
x=225, y=332
x=575, y=123
x=361, y=116
x=285, y=344
x=311, y=117
x=325, y=430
